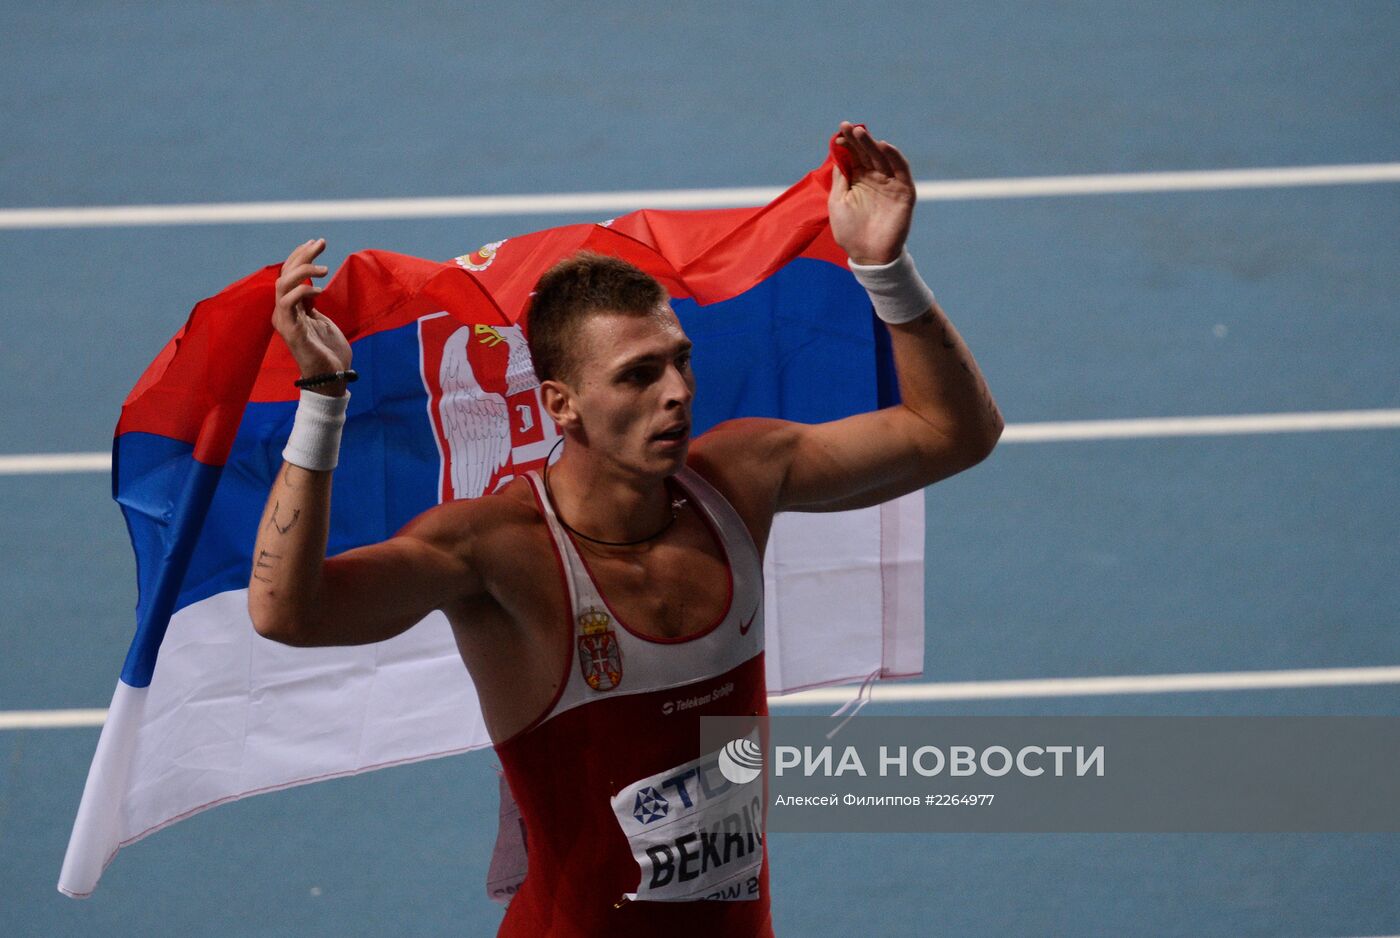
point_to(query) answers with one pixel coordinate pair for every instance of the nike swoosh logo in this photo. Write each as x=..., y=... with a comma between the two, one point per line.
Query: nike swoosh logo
x=744, y=628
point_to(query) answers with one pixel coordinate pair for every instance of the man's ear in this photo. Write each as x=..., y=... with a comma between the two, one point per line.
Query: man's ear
x=558, y=400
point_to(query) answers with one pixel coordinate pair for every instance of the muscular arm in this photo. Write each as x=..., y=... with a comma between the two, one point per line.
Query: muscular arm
x=295, y=594
x=299, y=597
x=947, y=420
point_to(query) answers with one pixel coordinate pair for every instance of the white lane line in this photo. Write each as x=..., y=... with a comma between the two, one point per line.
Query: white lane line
x=49, y=463
x=1280, y=177
x=594, y=203
x=218, y=213
x=1072, y=430
x=909, y=692
x=1227, y=425
x=50, y=719
x=1099, y=686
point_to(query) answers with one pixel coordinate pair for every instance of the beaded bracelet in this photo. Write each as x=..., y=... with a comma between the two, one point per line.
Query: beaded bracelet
x=349, y=376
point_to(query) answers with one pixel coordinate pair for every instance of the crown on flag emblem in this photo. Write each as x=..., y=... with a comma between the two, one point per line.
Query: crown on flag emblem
x=599, y=654
x=481, y=258
x=594, y=622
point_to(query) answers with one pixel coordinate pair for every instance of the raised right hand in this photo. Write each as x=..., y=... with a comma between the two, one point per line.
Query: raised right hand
x=316, y=343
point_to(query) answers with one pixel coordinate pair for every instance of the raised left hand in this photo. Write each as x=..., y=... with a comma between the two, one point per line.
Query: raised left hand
x=871, y=211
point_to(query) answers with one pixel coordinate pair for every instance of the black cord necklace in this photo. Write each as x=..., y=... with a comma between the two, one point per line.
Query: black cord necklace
x=676, y=505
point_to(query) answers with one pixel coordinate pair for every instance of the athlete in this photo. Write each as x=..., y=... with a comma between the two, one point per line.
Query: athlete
x=605, y=604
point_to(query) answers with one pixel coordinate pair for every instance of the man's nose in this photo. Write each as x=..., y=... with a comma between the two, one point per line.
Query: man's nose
x=678, y=389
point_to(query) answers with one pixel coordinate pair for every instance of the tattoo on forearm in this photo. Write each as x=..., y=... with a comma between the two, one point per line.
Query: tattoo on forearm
x=946, y=339
x=284, y=528
x=262, y=564
x=949, y=341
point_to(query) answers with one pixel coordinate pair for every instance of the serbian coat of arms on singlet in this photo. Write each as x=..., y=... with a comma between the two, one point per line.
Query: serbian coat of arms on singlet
x=599, y=654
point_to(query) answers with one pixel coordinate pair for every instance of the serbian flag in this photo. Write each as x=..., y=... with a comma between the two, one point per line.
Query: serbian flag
x=206, y=711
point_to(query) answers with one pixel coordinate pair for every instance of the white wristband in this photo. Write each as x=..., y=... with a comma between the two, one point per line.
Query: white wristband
x=315, y=440
x=896, y=290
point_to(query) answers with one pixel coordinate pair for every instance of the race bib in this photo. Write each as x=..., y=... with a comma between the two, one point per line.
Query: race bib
x=696, y=830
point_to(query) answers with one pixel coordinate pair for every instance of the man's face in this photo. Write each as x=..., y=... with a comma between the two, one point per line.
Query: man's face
x=633, y=390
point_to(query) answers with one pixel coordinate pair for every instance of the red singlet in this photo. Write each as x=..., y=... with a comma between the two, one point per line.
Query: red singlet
x=630, y=829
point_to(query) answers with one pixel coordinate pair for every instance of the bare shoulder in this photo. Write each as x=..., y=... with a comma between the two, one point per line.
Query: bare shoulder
x=747, y=453
x=746, y=460
x=473, y=526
